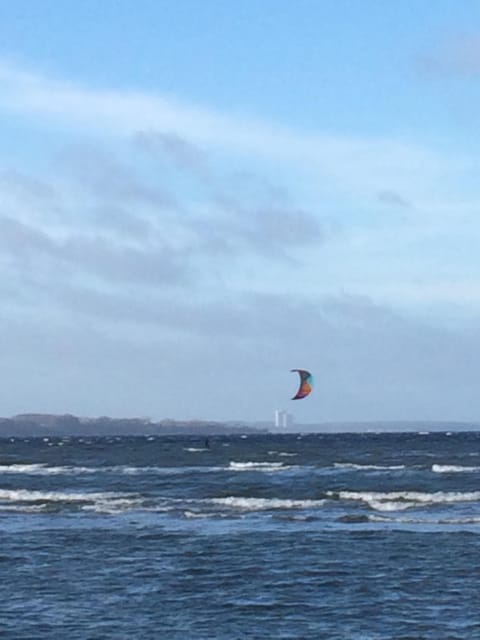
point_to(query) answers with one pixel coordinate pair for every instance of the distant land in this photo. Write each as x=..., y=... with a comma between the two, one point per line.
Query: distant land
x=40, y=424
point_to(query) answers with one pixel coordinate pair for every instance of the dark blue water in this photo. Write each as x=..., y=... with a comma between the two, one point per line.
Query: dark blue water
x=365, y=537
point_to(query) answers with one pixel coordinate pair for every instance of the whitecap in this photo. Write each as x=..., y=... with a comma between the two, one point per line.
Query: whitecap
x=425, y=521
x=400, y=500
x=257, y=466
x=26, y=495
x=43, y=469
x=453, y=468
x=114, y=505
x=101, y=502
x=282, y=454
x=23, y=468
x=265, y=504
x=368, y=467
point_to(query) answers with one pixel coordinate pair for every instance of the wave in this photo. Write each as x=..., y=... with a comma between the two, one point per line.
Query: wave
x=368, y=467
x=195, y=514
x=425, y=521
x=43, y=469
x=105, y=502
x=22, y=508
x=258, y=466
x=283, y=454
x=453, y=468
x=402, y=500
x=265, y=504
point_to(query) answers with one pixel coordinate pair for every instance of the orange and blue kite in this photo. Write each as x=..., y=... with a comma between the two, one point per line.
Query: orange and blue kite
x=306, y=384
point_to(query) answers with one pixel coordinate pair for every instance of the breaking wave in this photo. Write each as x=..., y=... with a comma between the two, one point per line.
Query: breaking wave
x=402, y=500
x=265, y=504
x=104, y=502
x=368, y=467
x=453, y=468
x=258, y=466
x=42, y=469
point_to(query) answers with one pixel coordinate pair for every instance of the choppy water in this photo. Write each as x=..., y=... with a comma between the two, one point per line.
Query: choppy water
x=365, y=537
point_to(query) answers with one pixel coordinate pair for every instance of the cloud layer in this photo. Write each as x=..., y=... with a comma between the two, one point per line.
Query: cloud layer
x=172, y=260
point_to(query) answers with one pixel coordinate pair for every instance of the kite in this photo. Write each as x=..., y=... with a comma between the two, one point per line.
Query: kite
x=306, y=384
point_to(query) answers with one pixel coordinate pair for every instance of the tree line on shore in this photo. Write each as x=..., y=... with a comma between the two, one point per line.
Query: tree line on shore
x=37, y=424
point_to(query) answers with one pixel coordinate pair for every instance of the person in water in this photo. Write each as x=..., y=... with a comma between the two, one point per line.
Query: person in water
x=207, y=443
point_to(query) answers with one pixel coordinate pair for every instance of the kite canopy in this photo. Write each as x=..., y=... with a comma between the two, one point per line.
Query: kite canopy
x=306, y=384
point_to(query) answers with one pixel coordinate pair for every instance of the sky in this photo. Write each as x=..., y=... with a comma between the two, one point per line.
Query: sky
x=198, y=197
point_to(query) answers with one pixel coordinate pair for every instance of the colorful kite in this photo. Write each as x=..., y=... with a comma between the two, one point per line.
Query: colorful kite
x=306, y=384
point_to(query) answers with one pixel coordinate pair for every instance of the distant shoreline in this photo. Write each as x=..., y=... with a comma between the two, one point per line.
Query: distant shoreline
x=38, y=425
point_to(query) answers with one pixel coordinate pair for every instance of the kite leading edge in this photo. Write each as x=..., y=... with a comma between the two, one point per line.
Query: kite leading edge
x=306, y=384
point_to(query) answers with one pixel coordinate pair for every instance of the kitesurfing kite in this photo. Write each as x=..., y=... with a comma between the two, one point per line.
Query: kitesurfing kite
x=306, y=384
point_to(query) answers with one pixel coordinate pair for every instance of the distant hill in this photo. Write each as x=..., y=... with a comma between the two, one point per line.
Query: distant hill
x=40, y=424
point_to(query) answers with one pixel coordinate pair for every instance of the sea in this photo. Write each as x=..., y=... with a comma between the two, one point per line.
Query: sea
x=345, y=536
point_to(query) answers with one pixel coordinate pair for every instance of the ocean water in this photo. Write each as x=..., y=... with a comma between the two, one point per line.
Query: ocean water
x=338, y=536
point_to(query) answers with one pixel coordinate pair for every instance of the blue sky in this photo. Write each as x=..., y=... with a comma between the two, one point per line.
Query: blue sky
x=196, y=197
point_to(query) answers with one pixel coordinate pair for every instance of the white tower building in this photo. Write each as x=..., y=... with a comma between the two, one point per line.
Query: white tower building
x=282, y=418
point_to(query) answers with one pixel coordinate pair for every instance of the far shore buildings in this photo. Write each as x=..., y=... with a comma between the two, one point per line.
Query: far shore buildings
x=283, y=419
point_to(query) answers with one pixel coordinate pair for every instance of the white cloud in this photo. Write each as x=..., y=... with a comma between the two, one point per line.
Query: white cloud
x=352, y=165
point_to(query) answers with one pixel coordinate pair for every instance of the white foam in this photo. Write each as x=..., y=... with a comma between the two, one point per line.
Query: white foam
x=453, y=468
x=257, y=466
x=43, y=469
x=368, y=467
x=434, y=521
x=401, y=500
x=133, y=471
x=106, y=502
x=23, y=468
x=390, y=505
x=114, y=505
x=264, y=504
x=26, y=495
x=282, y=454
x=23, y=508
